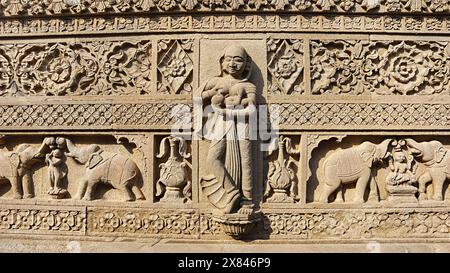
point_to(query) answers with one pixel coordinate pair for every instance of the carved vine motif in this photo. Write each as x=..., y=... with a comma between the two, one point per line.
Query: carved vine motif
x=96, y=68
x=173, y=184
x=184, y=223
x=360, y=224
x=49, y=7
x=285, y=66
x=383, y=68
x=175, y=66
x=42, y=220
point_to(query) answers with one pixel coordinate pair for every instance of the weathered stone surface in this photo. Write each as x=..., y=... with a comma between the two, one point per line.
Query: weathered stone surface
x=308, y=125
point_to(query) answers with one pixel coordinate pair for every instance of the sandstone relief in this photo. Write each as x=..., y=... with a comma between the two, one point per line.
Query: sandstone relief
x=175, y=66
x=57, y=168
x=436, y=158
x=16, y=168
x=401, y=180
x=105, y=167
x=383, y=68
x=57, y=157
x=99, y=68
x=318, y=119
x=282, y=182
x=47, y=7
x=352, y=165
x=231, y=99
x=174, y=184
x=398, y=171
x=285, y=66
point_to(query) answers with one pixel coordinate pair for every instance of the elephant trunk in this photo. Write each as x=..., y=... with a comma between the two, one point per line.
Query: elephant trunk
x=417, y=148
x=73, y=151
x=41, y=150
x=382, y=148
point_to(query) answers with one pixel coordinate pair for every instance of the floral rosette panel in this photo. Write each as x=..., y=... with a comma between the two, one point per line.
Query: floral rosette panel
x=381, y=68
x=66, y=69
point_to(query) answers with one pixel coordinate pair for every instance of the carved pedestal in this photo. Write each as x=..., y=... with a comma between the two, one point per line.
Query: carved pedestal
x=280, y=196
x=173, y=194
x=237, y=225
x=401, y=194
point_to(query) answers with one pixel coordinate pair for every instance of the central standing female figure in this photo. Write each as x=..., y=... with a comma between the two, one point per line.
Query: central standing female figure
x=231, y=99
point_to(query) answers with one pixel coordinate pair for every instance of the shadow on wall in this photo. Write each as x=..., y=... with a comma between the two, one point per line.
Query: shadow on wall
x=261, y=231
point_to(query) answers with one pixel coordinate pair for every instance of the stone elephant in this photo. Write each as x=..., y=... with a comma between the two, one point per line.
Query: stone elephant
x=350, y=165
x=15, y=167
x=105, y=167
x=437, y=160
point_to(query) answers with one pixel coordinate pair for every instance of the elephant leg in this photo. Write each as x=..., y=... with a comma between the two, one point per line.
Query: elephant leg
x=137, y=192
x=332, y=182
x=327, y=190
x=438, y=184
x=16, y=187
x=424, y=179
x=128, y=195
x=89, y=190
x=373, y=194
x=361, y=185
x=340, y=195
x=82, y=185
x=27, y=182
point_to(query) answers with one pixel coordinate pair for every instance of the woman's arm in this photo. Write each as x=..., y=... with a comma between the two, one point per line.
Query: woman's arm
x=210, y=89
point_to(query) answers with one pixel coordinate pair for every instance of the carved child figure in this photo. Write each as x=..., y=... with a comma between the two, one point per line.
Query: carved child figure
x=227, y=97
x=400, y=170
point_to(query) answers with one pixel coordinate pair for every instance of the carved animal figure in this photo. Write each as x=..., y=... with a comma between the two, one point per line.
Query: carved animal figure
x=104, y=167
x=350, y=165
x=437, y=160
x=15, y=167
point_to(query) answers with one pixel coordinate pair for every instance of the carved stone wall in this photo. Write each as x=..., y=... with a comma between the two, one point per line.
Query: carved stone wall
x=105, y=129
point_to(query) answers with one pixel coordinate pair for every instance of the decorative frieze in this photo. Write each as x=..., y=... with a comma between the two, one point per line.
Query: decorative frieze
x=132, y=222
x=42, y=220
x=56, y=7
x=88, y=115
x=225, y=23
x=360, y=115
x=298, y=224
x=359, y=224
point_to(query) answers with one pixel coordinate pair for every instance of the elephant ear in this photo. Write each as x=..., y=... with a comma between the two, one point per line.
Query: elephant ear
x=367, y=157
x=94, y=160
x=439, y=154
